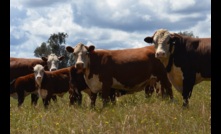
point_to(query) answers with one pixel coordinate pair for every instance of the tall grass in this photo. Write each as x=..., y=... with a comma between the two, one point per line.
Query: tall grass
x=132, y=114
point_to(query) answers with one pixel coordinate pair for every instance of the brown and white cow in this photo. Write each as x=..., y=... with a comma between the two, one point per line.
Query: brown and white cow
x=128, y=69
x=57, y=83
x=23, y=66
x=187, y=59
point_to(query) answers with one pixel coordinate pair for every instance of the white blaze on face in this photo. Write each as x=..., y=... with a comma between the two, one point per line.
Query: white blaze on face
x=80, y=56
x=39, y=73
x=160, y=40
x=52, y=62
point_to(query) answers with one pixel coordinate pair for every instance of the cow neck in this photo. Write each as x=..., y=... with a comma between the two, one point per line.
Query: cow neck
x=170, y=63
x=170, y=59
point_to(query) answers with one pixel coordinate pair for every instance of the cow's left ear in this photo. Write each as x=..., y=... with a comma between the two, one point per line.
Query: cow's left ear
x=70, y=49
x=44, y=59
x=149, y=39
x=61, y=58
x=91, y=48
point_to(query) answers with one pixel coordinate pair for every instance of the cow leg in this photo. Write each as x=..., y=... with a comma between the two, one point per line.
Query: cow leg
x=188, y=83
x=34, y=99
x=54, y=98
x=93, y=97
x=78, y=96
x=47, y=100
x=167, y=86
x=21, y=97
x=71, y=95
x=106, y=92
x=149, y=91
x=113, y=96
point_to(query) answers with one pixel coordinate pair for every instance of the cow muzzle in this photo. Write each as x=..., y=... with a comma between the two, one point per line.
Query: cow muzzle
x=39, y=78
x=160, y=54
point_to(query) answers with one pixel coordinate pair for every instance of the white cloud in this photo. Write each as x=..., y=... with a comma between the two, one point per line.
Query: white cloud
x=107, y=24
x=177, y=5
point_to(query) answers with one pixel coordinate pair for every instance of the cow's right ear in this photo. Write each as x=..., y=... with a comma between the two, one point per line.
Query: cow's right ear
x=70, y=49
x=149, y=39
x=44, y=59
x=91, y=48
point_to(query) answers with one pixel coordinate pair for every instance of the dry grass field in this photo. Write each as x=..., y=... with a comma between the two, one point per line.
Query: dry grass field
x=132, y=114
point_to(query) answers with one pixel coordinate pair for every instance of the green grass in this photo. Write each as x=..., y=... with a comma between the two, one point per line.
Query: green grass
x=132, y=114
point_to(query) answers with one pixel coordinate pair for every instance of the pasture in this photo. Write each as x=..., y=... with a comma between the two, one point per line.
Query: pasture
x=132, y=114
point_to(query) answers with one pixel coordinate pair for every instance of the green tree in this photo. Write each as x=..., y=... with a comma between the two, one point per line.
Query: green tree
x=55, y=45
x=43, y=50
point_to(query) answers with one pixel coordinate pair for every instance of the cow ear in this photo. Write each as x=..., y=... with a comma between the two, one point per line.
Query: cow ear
x=44, y=59
x=91, y=48
x=149, y=39
x=61, y=58
x=70, y=49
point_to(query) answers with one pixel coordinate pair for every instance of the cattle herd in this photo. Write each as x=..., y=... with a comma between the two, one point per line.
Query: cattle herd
x=173, y=59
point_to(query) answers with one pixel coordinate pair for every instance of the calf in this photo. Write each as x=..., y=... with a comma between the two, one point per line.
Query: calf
x=128, y=69
x=58, y=83
x=23, y=86
x=23, y=66
x=187, y=59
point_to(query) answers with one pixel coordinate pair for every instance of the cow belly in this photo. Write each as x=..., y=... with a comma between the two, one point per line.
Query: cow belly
x=176, y=78
x=95, y=85
x=199, y=78
x=135, y=88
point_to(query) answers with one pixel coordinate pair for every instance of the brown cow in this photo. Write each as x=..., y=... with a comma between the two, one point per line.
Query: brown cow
x=187, y=59
x=23, y=66
x=128, y=69
x=57, y=83
x=23, y=86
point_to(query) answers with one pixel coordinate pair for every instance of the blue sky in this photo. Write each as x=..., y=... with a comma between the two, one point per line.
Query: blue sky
x=107, y=24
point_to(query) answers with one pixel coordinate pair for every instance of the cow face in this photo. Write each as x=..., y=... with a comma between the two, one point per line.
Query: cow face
x=53, y=61
x=39, y=73
x=161, y=41
x=80, y=55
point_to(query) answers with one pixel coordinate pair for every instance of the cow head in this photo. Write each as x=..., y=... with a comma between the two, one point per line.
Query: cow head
x=52, y=61
x=163, y=42
x=39, y=73
x=81, y=55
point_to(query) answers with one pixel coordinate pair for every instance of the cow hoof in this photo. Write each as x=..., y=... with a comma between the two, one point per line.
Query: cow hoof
x=185, y=105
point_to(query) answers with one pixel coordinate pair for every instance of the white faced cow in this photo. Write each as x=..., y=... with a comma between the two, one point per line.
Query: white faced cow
x=130, y=69
x=187, y=59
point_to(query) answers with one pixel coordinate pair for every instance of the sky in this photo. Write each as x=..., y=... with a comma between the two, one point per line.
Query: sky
x=106, y=24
